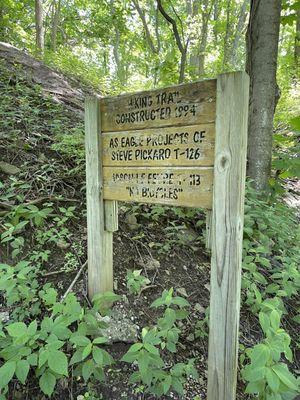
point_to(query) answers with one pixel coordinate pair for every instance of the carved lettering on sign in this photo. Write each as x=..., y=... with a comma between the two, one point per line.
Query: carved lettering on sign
x=183, y=105
x=191, y=145
x=158, y=146
x=172, y=186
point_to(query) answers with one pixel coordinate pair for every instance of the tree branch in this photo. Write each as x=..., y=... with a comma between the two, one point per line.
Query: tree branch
x=180, y=21
x=171, y=21
x=148, y=34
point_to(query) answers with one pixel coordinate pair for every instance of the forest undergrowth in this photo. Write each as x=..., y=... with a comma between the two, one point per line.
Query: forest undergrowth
x=53, y=341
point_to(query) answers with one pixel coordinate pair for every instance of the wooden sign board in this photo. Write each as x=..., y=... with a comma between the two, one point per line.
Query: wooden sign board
x=184, y=146
x=153, y=147
x=187, y=104
x=160, y=185
x=150, y=141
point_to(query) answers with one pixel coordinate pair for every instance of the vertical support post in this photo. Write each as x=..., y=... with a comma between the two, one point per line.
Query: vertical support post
x=208, y=229
x=100, y=253
x=227, y=233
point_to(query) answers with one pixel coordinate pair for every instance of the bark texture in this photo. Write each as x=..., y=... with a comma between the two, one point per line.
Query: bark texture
x=206, y=13
x=262, y=50
x=145, y=25
x=228, y=34
x=182, y=43
x=39, y=26
x=297, y=38
x=238, y=34
x=55, y=22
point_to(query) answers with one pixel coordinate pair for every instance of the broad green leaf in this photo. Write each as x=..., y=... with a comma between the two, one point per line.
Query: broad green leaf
x=61, y=331
x=264, y=321
x=272, y=379
x=97, y=355
x=22, y=370
x=87, y=369
x=281, y=370
x=152, y=349
x=80, y=340
x=181, y=314
x=43, y=357
x=47, y=383
x=180, y=301
x=135, y=347
x=255, y=387
x=275, y=319
x=143, y=362
x=260, y=355
x=58, y=362
x=100, y=340
x=157, y=303
x=86, y=351
x=107, y=358
x=99, y=374
x=7, y=372
x=288, y=354
x=129, y=357
x=32, y=328
x=295, y=123
x=32, y=359
x=17, y=329
x=252, y=373
x=167, y=384
x=77, y=357
x=177, y=385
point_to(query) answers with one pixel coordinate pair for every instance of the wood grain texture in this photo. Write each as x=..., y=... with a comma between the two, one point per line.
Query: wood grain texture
x=227, y=233
x=208, y=223
x=111, y=215
x=99, y=241
x=177, y=146
x=187, y=104
x=189, y=187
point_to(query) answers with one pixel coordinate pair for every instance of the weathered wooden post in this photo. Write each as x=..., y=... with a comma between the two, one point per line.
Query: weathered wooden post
x=101, y=215
x=227, y=233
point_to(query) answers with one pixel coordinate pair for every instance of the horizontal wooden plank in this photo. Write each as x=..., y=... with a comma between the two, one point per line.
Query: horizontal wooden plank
x=173, y=146
x=187, y=104
x=189, y=187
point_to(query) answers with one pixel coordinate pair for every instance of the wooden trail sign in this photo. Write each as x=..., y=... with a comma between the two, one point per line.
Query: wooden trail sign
x=184, y=146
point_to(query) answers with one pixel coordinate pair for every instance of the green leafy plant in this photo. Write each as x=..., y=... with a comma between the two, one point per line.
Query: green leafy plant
x=70, y=335
x=19, y=285
x=267, y=375
x=136, y=282
x=270, y=251
x=153, y=373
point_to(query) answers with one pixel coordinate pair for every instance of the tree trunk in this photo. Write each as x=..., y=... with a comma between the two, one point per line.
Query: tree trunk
x=157, y=29
x=55, y=22
x=192, y=10
x=228, y=34
x=182, y=44
x=145, y=25
x=216, y=17
x=120, y=68
x=39, y=17
x=204, y=33
x=262, y=50
x=238, y=34
x=297, y=39
x=2, y=22
x=202, y=49
x=116, y=51
x=182, y=64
